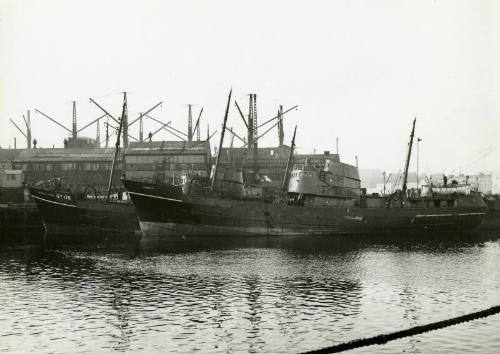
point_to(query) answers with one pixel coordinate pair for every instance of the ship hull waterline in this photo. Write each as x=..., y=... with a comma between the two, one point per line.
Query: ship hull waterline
x=169, y=217
x=86, y=220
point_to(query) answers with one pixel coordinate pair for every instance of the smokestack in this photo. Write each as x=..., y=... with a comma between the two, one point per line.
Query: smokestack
x=74, y=120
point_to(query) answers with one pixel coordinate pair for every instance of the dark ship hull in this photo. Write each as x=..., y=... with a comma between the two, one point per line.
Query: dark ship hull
x=180, y=215
x=65, y=218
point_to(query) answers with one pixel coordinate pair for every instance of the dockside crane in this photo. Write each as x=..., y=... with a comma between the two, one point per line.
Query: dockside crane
x=89, y=124
x=54, y=121
x=252, y=132
x=141, y=115
x=150, y=135
x=75, y=131
x=28, y=128
x=197, y=126
x=26, y=135
x=123, y=121
x=141, y=129
x=190, y=124
x=74, y=120
x=169, y=128
x=253, y=128
x=281, y=134
x=107, y=131
x=98, y=135
x=279, y=116
x=138, y=119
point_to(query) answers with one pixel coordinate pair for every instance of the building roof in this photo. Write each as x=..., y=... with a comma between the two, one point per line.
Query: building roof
x=9, y=154
x=71, y=155
x=262, y=153
x=167, y=147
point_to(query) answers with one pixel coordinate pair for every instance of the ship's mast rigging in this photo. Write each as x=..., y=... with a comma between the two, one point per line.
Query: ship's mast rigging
x=288, y=162
x=125, y=123
x=219, y=151
x=407, y=163
x=231, y=150
x=117, y=146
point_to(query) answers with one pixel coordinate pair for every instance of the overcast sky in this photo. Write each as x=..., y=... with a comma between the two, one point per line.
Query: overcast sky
x=359, y=70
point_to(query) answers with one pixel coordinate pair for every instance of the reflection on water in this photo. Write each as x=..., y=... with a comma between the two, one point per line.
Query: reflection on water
x=260, y=295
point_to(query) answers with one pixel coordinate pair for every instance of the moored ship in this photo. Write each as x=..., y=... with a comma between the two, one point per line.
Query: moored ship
x=79, y=213
x=314, y=200
x=303, y=212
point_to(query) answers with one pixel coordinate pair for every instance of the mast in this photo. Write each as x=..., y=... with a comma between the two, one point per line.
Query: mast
x=231, y=151
x=117, y=146
x=219, y=152
x=407, y=164
x=125, y=121
x=289, y=162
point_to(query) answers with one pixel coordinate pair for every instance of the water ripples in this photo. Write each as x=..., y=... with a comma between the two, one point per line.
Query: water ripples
x=272, y=299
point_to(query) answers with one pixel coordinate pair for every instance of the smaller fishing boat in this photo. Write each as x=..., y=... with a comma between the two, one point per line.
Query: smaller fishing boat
x=83, y=212
x=69, y=212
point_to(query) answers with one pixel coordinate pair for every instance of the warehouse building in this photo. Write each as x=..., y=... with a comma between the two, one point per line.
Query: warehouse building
x=167, y=159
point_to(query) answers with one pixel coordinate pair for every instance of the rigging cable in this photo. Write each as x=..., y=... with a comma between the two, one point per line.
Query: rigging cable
x=384, y=338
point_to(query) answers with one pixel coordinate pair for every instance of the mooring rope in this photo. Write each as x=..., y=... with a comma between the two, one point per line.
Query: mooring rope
x=384, y=338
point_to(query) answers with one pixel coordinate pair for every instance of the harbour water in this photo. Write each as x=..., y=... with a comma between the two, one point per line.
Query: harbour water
x=260, y=296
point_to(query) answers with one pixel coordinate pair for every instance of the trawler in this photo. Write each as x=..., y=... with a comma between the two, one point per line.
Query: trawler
x=313, y=200
x=82, y=211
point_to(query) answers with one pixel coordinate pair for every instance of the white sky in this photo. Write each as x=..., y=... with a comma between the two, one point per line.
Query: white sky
x=360, y=70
